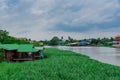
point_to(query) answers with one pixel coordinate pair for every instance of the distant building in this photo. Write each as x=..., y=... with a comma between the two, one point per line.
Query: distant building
x=116, y=42
x=84, y=43
x=73, y=44
x=81, y=43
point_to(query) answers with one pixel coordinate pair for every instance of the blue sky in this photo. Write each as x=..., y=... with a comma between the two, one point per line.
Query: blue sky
x=43, y=19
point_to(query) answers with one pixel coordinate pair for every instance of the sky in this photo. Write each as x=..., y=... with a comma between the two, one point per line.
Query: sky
x=43, y=19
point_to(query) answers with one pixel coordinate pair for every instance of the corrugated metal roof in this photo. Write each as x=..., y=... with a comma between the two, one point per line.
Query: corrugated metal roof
x=1, y=45
x=19, y=48
x=26, y=48
x=9, y=46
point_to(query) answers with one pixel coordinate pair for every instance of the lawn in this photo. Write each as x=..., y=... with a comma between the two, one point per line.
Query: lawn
x=60, y=65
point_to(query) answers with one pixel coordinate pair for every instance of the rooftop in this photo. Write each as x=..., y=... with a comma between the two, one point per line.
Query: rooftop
x=9, y=46
x=20, y=48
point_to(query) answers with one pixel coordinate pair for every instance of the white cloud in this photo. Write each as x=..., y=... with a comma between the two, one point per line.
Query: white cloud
x=3, y=5
x=35, y=18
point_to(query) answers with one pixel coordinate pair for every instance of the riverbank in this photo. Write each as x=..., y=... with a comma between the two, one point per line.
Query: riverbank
x=60, y=65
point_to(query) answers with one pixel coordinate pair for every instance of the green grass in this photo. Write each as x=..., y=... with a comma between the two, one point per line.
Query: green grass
x=60, y=65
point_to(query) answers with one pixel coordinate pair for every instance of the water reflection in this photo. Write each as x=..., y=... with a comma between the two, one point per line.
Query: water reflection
x=103, y=54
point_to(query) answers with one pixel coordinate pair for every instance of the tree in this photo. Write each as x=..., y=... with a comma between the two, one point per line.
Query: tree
x=3, y=35
x=54, y=41
x=70, y=39
x=62, y=38
x=111, y=39
x=95, y=41
x=12, y=40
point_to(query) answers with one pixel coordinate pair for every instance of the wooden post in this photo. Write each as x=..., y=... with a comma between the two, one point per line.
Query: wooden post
x=33, y=56
x=19, y=56
x=4, y=54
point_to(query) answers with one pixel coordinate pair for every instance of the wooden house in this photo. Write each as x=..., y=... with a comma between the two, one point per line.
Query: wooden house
x=9, y=50
x=25, y=52
x=15, y=52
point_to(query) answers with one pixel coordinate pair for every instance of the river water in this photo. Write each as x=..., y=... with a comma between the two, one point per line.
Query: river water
x=102, y=54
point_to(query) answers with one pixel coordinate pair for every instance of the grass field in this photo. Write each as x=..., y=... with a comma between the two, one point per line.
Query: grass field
x=60, y=65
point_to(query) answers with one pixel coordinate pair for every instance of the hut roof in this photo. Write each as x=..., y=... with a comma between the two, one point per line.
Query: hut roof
x=19, y=48
x=26, y=48
x=9, y=46
x=1, y=45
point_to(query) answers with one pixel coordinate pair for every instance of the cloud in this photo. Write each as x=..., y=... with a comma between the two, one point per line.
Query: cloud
x=78, y=11
x=42, y=19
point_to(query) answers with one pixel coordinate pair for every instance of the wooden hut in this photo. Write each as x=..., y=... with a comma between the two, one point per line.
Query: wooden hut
x=25, y=52
x=14, y=52
x=9, y=51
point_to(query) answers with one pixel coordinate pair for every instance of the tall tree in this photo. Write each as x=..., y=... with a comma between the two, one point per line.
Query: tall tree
x=3, y=35
x=70, y=39
x=62, y=38
x=54, y=41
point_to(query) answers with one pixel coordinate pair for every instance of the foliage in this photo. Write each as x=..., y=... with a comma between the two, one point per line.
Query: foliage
x=6, y=39
x=3, y=35
x=60, y=65
x=45, y=42
x=54, y=41
x=95, y=42
x=102, y=41
x=71, y=40
x=12, y=40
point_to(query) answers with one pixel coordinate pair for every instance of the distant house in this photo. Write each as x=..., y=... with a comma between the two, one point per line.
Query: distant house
x=15, y=52
x=116, y=43
x=83, y=43
x=72, y=44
